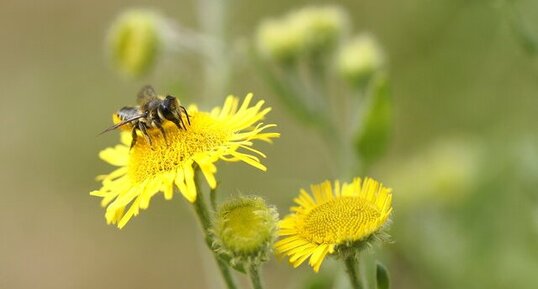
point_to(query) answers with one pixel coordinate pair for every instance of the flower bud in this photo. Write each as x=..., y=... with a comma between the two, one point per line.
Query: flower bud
x=278, y=41
x=134, y=40
x=245, y=229
x=360, y=59
x=321, y=28
x=308, y=31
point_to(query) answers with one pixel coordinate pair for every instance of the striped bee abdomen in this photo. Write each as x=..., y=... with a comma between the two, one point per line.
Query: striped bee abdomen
x=127, y=112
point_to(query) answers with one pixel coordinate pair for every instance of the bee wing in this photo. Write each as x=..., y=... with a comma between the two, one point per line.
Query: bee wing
x=121, y=123
x=146, y=94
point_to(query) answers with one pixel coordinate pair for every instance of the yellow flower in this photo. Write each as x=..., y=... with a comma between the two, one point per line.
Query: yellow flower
x=225, y=133
x=343, y=217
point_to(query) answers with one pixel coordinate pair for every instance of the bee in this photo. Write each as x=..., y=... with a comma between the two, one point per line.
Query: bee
x=150, y=113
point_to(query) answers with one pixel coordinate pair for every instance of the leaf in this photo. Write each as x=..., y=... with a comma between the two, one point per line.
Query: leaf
x=382, y=277
x=372, y=139
x=520, y=29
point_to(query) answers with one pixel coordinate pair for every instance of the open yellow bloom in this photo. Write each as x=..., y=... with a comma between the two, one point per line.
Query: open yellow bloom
x=343, y=216
x=225, y=133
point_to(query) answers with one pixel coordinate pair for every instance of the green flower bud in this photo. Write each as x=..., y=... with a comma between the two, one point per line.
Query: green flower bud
x=134, y=40
x=245, y=229
x=360, y=59
x=308, y=31
x=278, y=41
x=321, y=28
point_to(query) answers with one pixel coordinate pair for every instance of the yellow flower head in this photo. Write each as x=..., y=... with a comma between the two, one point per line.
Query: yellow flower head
x=343, y=216
x=225, y=133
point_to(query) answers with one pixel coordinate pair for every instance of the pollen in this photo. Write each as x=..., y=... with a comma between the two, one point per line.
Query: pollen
x=343, y=219
x=148, y=160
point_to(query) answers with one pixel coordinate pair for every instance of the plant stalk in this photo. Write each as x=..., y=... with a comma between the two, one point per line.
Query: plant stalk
x=352, y=272
x=214, y=21
x=254, y=274
x=202, y=213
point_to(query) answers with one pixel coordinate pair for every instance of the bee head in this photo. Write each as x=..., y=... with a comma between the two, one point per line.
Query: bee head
x=170, y=103
x=170, y=108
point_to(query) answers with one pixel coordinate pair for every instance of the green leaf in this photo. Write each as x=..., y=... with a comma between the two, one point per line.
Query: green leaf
x=382, y=277
x=520, y=28
x=372, y=138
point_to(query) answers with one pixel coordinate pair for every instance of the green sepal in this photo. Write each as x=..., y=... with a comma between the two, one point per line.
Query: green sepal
x=237, y=266
x=372, y=139
x=382, y=277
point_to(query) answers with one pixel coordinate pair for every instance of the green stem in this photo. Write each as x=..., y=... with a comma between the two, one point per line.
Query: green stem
x=213, y=198
x=214, y=21
x=202, y=212
x=287, y=95
x=317, y=82
x=254, y=274
x=352, y=271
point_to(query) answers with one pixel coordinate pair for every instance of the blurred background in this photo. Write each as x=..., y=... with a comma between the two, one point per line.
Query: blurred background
x=462, y=158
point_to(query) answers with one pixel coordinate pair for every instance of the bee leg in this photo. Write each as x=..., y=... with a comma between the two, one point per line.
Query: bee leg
x=158, y=125
x=186, y=114
x=142, y=127
x=177, y=122
x=134, y=136
x=183, y=126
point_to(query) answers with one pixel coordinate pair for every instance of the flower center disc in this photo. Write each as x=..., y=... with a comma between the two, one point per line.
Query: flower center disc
x=341, y=219
x=203, y=135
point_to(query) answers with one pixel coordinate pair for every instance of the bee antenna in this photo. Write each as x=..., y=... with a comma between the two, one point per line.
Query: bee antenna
x=122, y=123
x=107, y=130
